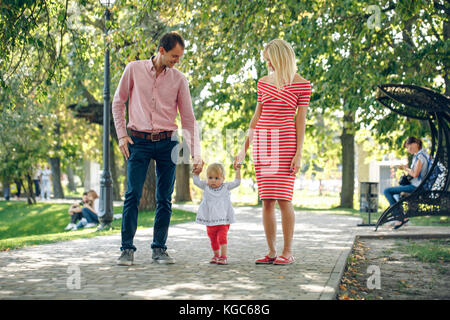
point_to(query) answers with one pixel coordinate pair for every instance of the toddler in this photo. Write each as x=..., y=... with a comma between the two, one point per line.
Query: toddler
x=215, y=210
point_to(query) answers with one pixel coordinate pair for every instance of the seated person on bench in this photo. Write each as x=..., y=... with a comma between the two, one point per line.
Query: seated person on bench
x=418, y=171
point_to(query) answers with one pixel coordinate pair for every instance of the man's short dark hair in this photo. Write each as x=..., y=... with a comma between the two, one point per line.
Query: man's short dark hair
x=170, y=40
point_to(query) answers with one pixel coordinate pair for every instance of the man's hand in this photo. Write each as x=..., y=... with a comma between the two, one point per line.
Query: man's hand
x=197, y=166
x=123, y=146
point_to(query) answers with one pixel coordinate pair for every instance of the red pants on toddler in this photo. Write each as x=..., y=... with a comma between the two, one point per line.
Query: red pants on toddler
x=217, y=235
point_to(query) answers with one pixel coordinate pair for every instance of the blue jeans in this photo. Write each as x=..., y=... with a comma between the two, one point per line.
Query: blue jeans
x=37, y=187
x=89, y=215
x=141, y=152
x=389, y=194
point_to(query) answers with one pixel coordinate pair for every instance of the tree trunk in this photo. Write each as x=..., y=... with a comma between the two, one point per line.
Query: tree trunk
x=71, y=186
x=19, y=184
x=58, y=192
x=55, y=164
x=348, y=161
x=29, y=191
x=148, y=199
x=183, y=192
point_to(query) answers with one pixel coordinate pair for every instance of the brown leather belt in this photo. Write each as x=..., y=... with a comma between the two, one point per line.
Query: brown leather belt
x=152, y=135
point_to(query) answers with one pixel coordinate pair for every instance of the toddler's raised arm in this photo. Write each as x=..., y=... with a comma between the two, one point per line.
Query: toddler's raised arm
x=237, y=180
x=233, y=184
x=199, y=183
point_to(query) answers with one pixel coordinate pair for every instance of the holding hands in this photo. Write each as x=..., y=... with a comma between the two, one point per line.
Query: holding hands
x=238, y=160
x=197, y=166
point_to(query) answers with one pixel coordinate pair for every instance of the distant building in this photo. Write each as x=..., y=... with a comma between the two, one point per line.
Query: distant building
x=376, y=171
x=92, y=176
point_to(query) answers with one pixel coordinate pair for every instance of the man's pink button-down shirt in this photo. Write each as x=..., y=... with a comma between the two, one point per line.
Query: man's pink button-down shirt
x=153, y=102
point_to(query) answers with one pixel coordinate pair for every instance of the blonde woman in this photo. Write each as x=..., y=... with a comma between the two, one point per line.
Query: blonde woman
x=277, y=130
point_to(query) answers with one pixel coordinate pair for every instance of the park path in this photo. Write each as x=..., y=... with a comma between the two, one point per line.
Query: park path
x=322, y=243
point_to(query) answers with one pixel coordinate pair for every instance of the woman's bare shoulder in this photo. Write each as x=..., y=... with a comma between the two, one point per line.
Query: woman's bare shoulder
x=299, y=79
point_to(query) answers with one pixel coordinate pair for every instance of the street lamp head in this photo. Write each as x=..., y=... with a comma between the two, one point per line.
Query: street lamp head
x=107, y=3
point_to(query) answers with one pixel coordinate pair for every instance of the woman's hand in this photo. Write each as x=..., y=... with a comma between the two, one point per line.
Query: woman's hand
x=238, y=160
x=295, y=164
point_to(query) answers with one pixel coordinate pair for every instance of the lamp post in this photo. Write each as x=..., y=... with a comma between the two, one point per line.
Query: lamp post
x=105, y=213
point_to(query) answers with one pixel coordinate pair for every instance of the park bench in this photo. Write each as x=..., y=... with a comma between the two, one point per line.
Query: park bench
x=432, y=196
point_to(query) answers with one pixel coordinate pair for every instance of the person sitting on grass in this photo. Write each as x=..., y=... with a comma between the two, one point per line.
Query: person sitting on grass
x=75, y=212
x=89, y=212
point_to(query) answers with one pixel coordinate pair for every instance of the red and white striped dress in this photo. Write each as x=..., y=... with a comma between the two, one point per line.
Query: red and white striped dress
x=275, y=137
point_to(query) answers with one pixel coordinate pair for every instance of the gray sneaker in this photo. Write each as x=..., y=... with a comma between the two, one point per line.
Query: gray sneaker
x=126, y=258
x=161, y=256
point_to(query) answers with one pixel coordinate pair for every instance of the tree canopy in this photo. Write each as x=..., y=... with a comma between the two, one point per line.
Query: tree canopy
x=51, y=56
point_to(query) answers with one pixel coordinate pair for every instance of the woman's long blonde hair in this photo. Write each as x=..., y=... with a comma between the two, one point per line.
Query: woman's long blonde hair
x=282, y=58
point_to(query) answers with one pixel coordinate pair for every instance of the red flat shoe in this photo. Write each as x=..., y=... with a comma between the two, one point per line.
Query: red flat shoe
x=266, y=260
x=214, y=259
x=222, y=260
x=282, y=260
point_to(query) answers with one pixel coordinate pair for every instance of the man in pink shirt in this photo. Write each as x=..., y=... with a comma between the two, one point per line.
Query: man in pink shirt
x=154, y=91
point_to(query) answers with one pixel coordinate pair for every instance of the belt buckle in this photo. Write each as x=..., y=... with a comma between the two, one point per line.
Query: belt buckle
x=155, y=134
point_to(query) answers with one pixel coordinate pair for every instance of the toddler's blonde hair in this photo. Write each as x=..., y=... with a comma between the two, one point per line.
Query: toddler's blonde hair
x=217, y=168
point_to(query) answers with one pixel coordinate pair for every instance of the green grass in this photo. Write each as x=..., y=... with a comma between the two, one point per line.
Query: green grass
x=329, y=201
x=304, y=200
x=73, y=194
x=24, y=225
x=428, y=251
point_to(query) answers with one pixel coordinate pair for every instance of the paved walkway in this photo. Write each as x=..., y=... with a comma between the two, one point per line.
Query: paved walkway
x=86, y=268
